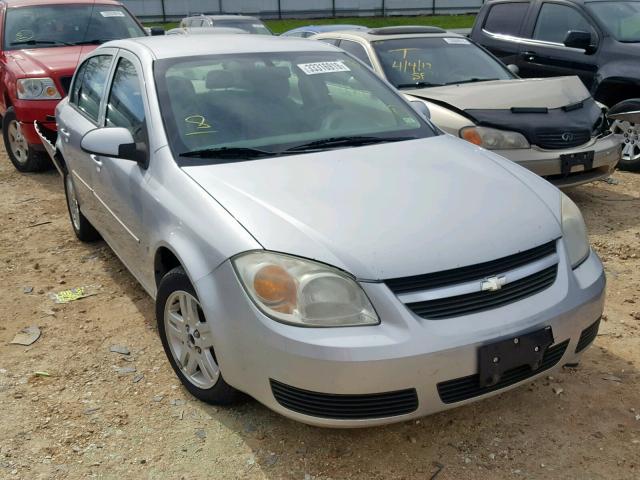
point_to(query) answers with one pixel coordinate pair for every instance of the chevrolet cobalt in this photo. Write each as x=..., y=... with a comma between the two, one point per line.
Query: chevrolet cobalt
x=311, y=239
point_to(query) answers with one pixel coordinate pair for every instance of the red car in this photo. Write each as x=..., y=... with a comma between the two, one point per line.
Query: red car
x=41, y=43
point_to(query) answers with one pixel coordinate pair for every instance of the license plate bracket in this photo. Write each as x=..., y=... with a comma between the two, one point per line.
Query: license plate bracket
x=497, y=358
x=570, y=160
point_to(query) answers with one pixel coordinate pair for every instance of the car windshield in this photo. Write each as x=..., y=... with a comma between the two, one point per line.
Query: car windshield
x=621, y=19
x=60, y=25
x=250, y=26
x=436, y=61
x=269, y=104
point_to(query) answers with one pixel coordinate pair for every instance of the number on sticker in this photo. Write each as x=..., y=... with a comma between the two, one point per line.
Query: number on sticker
x=323, y=67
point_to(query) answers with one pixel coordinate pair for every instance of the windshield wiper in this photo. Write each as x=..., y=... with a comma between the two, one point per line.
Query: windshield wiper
x=472, y=80
x=41, y=42
x=419, y=85
x=231, y=153
x=95, y=41
x=353, y=141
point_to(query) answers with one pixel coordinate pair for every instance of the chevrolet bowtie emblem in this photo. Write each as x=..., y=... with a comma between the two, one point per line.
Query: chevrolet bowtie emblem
x=492, y=284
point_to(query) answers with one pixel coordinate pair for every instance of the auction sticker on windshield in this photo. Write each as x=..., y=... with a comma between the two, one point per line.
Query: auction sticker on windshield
x=112, y=13
x=457, y=41
x=323, y=67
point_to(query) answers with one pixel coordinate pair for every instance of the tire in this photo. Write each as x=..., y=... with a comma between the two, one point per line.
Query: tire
x=21, y=154
x=187, y=340
x=81, y=226
x=631, y=145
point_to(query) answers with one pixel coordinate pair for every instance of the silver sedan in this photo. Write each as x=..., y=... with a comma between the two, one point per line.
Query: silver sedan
x=311, y=239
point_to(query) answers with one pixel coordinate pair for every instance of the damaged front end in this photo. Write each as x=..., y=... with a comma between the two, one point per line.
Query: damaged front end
x=566, y=127
x=49, y=141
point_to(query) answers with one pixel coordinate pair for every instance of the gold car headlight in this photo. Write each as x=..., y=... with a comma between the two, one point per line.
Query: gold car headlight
x=494, y=139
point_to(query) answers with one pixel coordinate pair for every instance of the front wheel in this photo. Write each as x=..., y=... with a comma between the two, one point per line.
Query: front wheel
x=21, y=154
x=631, y=145
x=187, y=339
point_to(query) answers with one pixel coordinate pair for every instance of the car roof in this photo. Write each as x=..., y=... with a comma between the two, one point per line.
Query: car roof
x=172, y=46
x=328, y=28
x=34, y=3
x=225, y=17
x=206, y=31
x=375, y=34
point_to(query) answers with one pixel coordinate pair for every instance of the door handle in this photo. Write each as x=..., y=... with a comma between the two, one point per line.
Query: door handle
x=528, y=56
x=65, y=132
x=96, y=160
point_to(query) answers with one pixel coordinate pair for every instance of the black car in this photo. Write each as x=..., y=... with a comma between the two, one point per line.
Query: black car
x=597, y=40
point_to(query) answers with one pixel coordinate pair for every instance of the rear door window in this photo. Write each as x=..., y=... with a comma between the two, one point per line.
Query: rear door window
x=89, y=84
x=555, y=21
x=506, y=18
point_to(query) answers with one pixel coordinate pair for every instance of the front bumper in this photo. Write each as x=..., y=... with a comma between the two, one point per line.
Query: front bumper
x=41, y=111
x=404, y=352
x=546, y=163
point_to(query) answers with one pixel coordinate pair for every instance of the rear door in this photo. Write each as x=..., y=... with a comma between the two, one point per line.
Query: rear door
x=119, y=184
x=501, y=27
x=542, y=52
x=81, y=115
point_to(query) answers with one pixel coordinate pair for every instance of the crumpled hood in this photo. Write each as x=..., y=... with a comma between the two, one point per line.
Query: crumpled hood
x=389, y=210
x=52, y=62
x=505, y=94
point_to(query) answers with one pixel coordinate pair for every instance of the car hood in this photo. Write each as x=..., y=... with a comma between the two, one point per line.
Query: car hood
x=388, y=210
x=505, y=94
x=49, y=61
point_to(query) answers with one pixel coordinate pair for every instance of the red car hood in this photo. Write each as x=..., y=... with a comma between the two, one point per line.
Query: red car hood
x=47, y=62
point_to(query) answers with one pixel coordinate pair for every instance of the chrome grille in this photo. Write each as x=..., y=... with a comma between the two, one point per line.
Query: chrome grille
x=557, y=139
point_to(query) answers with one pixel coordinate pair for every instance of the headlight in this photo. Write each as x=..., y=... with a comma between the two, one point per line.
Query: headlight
x=37, y=89
x=494, y=139
x=574, y=232
x=302, y=292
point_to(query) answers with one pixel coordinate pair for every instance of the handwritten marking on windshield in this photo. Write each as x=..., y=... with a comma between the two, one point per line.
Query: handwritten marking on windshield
x=202, y=126
x=407, y=65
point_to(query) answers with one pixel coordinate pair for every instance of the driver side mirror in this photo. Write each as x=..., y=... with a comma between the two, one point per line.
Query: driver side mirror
x=114, y=142
x=579, y=39
x=422, y=109
x=513, y=68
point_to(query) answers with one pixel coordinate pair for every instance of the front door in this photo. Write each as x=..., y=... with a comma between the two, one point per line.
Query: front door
x=544, y=54
x=119, y=184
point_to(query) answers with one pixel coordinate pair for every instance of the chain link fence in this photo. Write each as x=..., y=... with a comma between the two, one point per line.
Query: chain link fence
x=172, y=10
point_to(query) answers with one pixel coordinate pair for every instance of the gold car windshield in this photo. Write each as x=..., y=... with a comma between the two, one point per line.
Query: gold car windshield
x=277, y=102
x=436, y=61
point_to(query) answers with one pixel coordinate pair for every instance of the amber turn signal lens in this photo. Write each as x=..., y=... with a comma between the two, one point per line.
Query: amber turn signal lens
x=472, y=136
x=276, y=288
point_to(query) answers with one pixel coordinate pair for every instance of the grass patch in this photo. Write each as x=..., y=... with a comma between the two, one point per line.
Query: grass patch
x=444, y=21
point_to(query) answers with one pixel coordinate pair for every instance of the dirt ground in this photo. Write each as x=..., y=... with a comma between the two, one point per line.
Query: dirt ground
x=90, y=418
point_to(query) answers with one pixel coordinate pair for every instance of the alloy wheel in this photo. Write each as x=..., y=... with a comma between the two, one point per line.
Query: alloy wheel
x=72, y=201
x=631, y=139
x=17, y=142
x=190, y=339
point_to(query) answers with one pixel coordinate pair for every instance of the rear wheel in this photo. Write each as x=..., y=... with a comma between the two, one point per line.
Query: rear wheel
x=81, y=226
x=631, y=145
x=187, y=339
x=21, y=154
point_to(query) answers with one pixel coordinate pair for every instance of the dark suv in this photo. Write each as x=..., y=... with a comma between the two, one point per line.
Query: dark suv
x=597, y=40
